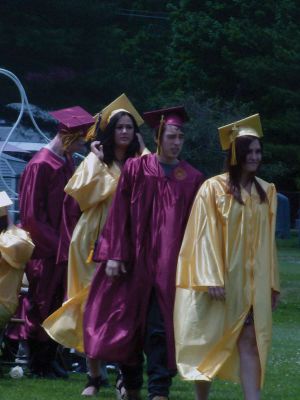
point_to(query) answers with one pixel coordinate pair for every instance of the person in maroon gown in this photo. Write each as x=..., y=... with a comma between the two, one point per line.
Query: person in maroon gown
x=41, y=200
x=130, y=305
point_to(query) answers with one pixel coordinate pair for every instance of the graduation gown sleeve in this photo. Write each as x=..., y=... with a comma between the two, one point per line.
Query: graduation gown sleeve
x=200, y=262
x=16, y=247
x=91, y=183
x=34, y=215
x=273, y=252
x=15, y=250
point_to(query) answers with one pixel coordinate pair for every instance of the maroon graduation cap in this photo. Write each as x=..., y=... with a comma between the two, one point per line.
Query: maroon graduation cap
x=170, y=116
x=73, y=118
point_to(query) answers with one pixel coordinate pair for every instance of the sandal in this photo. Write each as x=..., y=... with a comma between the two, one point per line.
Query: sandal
x=121, y=392
x=92, y=386
x=125, y=394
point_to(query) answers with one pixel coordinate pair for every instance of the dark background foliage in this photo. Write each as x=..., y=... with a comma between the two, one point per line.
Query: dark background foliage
x=222, y=59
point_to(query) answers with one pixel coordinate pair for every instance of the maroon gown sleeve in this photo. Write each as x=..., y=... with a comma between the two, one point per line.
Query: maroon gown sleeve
x=114, y=242
x=33, y=210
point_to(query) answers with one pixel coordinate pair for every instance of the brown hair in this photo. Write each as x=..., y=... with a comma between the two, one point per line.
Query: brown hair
x=3, y=223
x=242, y=144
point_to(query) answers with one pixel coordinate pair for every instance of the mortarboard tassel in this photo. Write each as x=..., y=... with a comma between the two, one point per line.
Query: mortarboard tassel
x=90, y=256
x=233, y=154
x=92, y=131
x=233, y=136
x=161, y=124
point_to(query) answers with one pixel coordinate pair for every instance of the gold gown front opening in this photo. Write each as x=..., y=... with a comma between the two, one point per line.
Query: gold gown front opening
x=231, y=245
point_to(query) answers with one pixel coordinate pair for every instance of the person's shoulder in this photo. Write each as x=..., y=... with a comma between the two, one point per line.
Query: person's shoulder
x=42, y=157
x=134, y=164
x=139, y=160
x=216, y=183
x=192, y=171
x=47, y=159
x=38, y=161
x=44, y=162
x=267, y=186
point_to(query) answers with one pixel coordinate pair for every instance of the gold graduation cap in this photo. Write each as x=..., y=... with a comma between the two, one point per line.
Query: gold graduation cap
x=121, y=103
x=5, y=201
x=248, y=126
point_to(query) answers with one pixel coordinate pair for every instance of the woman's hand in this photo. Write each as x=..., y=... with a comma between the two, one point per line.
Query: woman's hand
x=115, y=268
x=97, y=149
x=217, y=293
x=141, y=142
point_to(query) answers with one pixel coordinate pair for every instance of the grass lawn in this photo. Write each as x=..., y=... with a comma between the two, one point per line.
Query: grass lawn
x=283, y=372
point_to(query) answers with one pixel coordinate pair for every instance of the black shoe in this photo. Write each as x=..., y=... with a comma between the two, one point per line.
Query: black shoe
x=104, y=383
x=58, y=370
x=121, y=392
x=35, y=374
x=49, y=375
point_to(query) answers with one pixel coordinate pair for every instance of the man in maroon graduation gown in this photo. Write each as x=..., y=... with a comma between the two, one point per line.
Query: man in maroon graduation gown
x=130, y=305
x=41, y=200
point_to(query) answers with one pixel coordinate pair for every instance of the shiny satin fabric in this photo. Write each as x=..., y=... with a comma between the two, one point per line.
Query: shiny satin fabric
x=70, y=216
x=144, y=229
x=41, y=201
x=92, y=186
x=231, y=245
x=16, y=248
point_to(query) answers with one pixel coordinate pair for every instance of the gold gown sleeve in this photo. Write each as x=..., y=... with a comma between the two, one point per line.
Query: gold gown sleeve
x=16, y=246
x=273, y=252
x=200, y=262
x=91, y=183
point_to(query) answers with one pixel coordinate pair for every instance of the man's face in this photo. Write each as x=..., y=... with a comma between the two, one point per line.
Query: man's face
x=171, y=142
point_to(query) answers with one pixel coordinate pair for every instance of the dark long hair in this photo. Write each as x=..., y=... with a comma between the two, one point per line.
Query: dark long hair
x=107, y=140
x=3, y=223
x=242, y=144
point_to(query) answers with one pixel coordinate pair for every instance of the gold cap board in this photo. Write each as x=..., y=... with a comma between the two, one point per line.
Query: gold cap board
x=247, y=126
x=121, y=103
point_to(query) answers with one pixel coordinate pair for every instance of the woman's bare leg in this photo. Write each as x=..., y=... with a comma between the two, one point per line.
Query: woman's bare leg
x=202, y=390
x=94, y=378
x=250, y=370
x=94, y=367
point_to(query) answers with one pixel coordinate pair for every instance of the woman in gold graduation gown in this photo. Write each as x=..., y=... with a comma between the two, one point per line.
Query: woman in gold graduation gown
x=93, y=186
x=16, y=248
x=227, y=277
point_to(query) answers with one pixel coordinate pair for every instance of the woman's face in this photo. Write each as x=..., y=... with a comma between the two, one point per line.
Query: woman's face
x=253, y=158
x=124, y=131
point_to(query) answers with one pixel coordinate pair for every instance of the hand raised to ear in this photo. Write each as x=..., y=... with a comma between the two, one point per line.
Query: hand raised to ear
x=97, y=149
